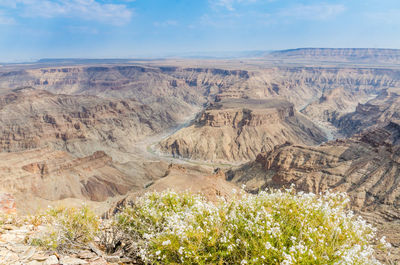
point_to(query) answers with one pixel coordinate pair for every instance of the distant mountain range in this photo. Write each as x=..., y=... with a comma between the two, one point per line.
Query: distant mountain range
x=339, y=54
x=331, y=54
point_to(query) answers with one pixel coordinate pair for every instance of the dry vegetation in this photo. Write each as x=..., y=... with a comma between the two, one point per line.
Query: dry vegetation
x=273, y=227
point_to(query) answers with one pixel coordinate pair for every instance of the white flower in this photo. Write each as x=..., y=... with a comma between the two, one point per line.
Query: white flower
x=180, y=250
x=252, y=217
x=268, y=245
x=384, y=243
x=166, y=243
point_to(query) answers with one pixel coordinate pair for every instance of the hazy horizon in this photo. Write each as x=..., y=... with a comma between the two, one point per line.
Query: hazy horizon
x=185, y=55
x=35, y=29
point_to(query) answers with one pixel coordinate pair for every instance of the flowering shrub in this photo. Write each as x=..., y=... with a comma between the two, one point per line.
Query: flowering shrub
x=275, y=227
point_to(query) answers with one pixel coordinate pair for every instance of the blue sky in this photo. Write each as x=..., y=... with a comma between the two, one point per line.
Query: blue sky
x=33, y=29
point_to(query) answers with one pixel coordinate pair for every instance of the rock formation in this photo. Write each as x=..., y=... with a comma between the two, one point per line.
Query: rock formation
x=236, y=130
x=179, y=87
x=335, y=103
x=55, y=175
x=199, y=179
x=100, y=113
x=82, y=125
x=374, y=113
x=365, y=166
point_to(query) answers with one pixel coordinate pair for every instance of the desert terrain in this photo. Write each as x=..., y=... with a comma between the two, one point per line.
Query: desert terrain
x=104, y=132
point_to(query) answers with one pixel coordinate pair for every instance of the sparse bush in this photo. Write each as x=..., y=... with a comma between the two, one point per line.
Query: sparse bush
x=275, y=227
x=11, y=219
x=66, y=228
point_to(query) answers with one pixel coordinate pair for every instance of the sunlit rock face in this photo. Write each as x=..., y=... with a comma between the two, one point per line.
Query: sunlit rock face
x=236, y=130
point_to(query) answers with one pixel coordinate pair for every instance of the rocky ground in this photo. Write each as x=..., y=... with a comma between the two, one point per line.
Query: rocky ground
x=15, y=251
x=16, y=231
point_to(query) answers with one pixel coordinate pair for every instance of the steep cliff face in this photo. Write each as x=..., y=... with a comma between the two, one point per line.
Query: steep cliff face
x=245, y=112
x=303, y=85
x=144, y=83
x=367, y=167
x=381, y=110
x=79, y=124
x=55, y=175
x=56, y=146
x=236, y=130
x=183, y=86
x=335, y=103
x=322, y=93
x=164, y=88
x=39, y=177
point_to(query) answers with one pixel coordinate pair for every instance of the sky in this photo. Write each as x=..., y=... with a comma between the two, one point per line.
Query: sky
x=34, y=29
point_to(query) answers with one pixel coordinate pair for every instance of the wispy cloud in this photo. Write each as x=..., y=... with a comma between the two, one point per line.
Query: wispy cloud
x=320, y=11
x=116, y=14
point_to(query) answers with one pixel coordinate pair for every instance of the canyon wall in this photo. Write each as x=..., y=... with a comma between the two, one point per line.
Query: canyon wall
x=365, y=166
x=236, y=130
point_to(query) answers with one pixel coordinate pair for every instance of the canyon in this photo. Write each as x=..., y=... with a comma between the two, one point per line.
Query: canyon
x=237, y=130
x=105, y=132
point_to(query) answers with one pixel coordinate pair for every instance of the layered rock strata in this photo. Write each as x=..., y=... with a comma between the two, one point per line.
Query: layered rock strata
x=374, y=113
x=236, y=130
x=366, y=166
x=82, y=125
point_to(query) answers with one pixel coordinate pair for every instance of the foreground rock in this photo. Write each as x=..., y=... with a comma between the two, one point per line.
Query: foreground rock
x=7, y=204
x=14, y=250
